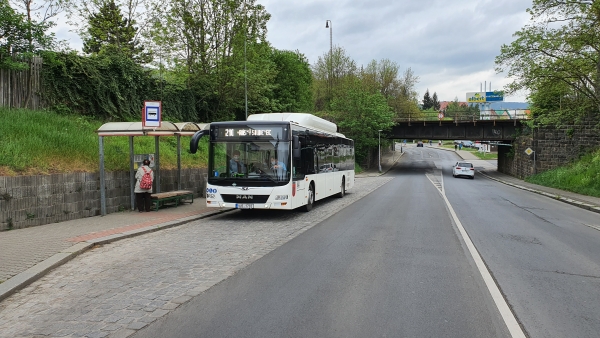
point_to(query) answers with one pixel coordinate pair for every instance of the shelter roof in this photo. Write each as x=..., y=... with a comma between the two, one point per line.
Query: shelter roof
x=136, y=129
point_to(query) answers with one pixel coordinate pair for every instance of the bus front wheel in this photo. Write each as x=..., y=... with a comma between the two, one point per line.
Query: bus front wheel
x=311, y=198
x=342, y=189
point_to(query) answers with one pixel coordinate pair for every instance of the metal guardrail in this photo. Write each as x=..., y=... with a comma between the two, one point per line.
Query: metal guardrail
x=461, y=117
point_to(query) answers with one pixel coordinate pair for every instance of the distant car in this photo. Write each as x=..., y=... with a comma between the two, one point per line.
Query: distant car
x=419, y=144
x=465, y=143
x=463, y=169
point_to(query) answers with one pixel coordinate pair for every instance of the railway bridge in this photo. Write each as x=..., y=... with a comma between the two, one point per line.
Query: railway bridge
x=464, y=126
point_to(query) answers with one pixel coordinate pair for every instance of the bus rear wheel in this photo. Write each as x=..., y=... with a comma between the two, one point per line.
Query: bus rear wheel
x=311, y=198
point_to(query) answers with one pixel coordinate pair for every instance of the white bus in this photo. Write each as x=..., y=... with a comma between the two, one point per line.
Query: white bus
x=312, y=161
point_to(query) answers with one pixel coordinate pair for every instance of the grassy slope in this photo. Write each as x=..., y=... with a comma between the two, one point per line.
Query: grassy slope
x=38, y=142
x=582, y=176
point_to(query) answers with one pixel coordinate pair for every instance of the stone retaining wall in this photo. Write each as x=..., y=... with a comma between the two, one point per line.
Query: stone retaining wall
x=35, y=200
x=553, y=147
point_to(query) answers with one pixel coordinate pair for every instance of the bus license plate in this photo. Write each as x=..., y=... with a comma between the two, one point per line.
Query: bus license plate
x=244, y=206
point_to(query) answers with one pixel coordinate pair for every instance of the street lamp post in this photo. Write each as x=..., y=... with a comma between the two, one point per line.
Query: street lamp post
x=379, y=133
x=329, y=25
x=245, y=57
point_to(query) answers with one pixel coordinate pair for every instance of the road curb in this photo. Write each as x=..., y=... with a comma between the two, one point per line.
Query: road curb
x=579, y=204
x=25, y=278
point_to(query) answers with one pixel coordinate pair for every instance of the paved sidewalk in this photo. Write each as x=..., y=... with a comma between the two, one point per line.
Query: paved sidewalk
x=28, y=254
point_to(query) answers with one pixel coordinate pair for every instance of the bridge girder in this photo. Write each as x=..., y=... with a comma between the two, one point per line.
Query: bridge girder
x=448, y=130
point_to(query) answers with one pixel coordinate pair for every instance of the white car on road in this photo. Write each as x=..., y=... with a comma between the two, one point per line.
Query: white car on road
x=463, y=169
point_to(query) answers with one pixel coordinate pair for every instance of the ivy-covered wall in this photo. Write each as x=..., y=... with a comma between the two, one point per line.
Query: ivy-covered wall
x=111, y=87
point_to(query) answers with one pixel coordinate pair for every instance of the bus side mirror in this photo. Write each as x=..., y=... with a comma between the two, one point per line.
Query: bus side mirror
x=195, y=139
x=295, y=146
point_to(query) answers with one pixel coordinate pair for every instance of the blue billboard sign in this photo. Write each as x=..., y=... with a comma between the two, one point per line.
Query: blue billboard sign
x=482, y=97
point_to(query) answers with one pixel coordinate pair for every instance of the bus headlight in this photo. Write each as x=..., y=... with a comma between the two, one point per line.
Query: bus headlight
x=281, y=197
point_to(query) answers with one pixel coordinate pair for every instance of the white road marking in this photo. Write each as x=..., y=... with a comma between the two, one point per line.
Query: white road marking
x=592, y=226
x=507, y=315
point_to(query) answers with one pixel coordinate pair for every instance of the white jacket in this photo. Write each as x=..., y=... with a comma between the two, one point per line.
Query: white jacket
x=138, y=178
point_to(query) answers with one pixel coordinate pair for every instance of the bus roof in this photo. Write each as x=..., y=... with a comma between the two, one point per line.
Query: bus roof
x=303, y=119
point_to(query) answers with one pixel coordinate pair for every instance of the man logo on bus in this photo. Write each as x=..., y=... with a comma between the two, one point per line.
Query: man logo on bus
x=244, y=197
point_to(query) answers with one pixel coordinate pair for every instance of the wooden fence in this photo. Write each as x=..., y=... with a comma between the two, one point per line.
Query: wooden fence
x=14, y=88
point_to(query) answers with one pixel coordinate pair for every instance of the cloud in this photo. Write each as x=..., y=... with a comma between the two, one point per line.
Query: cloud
x=450, y=45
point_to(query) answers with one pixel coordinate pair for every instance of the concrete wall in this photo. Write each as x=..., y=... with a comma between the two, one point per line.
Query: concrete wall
x=35, y=200
x=553, y=147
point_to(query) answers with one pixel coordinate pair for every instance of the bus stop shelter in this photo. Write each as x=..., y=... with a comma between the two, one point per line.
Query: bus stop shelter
x=133, y=129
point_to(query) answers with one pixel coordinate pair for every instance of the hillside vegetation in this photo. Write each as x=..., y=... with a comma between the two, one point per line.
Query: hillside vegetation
x=42, y=142
x=581, y=176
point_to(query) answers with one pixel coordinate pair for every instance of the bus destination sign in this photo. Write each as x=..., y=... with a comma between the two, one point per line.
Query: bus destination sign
x=232, y=132
x=265, y=132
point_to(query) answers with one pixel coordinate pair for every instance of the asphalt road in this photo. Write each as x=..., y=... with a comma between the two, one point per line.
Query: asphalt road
x=392, y=265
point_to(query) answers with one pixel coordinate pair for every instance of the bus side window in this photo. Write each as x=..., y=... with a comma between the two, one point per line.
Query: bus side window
x=308, y=162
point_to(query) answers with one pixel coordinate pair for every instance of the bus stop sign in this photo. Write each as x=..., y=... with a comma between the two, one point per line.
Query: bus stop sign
x=152, y=114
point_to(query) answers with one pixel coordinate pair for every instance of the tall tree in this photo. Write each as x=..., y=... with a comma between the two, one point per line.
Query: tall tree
x=13, y=36
x=342, y=67
x=384, y=76
x=109, y=32
x=557, y=54
x=427, y=101
x=218, y=48
x=359, y=114
x=434, y=102
x=38, y=14
x=293, y=81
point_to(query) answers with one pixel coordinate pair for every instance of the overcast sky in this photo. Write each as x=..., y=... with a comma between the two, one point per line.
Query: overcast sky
x=449, y=44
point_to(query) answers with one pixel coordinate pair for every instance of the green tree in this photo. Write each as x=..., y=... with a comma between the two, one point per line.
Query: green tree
x=359, y=114
x=434, y=102
x=23, y=37
x=293, y=81
x=427, y=101
x=110, y=32
x=326, y=87
x=457, y=106
x=218, y=49
x=398, y=89
x=557, y=54
x=13, y=36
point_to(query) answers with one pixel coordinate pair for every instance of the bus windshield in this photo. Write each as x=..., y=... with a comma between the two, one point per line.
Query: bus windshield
x=251, y=161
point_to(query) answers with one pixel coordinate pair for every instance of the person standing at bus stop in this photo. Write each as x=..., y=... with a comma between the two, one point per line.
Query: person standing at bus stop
x=143, y=196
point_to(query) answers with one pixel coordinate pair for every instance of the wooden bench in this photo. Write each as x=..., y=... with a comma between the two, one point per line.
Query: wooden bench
x=172, y=197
